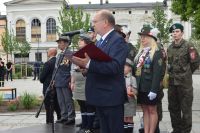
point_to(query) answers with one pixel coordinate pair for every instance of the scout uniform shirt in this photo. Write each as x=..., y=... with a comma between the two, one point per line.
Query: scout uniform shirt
x=149, y=72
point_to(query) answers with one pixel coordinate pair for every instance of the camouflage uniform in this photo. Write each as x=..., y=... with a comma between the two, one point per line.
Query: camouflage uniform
x=181, y=65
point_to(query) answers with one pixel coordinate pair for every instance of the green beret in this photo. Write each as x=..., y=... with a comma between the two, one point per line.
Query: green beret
x=176, y=26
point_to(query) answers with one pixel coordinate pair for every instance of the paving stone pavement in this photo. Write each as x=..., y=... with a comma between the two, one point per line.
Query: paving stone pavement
x=12, y=121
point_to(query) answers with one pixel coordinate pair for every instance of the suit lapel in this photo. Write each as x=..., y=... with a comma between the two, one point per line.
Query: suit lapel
x=105, y=42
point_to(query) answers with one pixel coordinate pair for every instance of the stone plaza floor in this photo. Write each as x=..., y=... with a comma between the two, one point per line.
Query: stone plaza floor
x=16, y=120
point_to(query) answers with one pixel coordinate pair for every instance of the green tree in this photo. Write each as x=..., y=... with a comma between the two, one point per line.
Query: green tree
x=188, y=10
x=22, y=48
x=72, y=19
x=8, y=43
x=160, y=21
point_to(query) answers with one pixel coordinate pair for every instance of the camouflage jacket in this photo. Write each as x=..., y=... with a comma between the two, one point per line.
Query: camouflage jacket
x=181, y=64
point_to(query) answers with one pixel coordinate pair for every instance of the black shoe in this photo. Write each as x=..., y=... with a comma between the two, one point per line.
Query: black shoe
x=141, y=130
x=70, y=122
x=61, y=121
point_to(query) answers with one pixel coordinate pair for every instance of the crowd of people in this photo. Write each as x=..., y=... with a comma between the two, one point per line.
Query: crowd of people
x=108, y=92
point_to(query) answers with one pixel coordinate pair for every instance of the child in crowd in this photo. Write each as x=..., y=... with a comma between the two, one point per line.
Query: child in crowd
x=130, y=106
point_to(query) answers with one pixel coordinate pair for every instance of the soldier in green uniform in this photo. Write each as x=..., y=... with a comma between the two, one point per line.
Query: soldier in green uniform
x=183, y=60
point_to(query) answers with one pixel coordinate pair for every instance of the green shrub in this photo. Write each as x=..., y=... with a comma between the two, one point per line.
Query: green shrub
x=12, y=107
x=28, y=101
x=17, y=75
x=1, y=98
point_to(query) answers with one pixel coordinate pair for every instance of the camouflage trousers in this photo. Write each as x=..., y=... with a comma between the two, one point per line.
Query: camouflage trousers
x=180, y=100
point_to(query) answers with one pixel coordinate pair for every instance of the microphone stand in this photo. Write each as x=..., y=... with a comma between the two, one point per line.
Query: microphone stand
x=50, y=88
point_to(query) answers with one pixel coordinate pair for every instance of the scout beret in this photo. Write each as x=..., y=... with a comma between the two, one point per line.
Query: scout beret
x=149, y=31
x=63, y=38
x=176, y=26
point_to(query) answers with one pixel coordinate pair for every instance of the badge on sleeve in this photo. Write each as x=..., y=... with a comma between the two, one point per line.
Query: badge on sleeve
x=192, y=53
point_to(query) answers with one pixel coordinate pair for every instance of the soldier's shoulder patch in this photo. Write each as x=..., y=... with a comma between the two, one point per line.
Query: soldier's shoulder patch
x=160, y=62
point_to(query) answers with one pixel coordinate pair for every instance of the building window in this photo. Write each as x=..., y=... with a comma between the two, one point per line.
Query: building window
x=38, y=56
x=51, y=29
x=21, y=30
x=146, y=12
x=35, y=30
x=129, y=12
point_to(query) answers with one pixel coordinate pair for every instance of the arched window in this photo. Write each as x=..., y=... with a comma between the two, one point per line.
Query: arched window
x=51, y=29
x=21, y=30
x=35, y=30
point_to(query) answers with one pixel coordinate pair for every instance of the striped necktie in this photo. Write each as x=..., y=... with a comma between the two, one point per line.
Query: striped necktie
x=99, y=43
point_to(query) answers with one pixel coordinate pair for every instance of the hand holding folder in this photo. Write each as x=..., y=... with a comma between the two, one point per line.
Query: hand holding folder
x=93, y=52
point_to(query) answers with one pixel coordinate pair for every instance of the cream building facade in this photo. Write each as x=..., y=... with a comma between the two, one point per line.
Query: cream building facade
x=36, y=20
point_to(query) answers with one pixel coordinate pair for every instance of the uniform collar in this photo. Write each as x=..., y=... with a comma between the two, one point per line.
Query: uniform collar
x=178, y=45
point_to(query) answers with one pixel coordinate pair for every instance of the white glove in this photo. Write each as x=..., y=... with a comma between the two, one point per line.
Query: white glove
x=152, y=95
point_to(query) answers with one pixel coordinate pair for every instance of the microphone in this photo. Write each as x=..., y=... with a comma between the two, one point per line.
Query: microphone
x=72, y=33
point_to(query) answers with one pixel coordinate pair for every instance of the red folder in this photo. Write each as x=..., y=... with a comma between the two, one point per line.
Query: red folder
x=93, y=52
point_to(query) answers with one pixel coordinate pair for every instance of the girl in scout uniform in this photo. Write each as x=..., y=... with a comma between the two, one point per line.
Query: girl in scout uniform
x=148, y=66
x=130, y=106
x=78, y=87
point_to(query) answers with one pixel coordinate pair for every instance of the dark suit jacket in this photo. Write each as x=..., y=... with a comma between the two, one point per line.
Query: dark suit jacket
x=150, y=78
x=46, y=74
x=105, y=83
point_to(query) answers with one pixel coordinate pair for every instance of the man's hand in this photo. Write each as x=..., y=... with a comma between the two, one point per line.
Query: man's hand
x=82, y=62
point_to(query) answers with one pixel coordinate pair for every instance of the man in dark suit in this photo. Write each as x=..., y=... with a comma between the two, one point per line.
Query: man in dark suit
x=105, y=83
x=2, y=72
x=45, y=78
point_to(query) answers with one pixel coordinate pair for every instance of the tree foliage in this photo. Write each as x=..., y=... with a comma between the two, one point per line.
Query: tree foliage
x=8, y=42
x=22, y=47
x=72, y=19
x=188, y=10
x=160, y=21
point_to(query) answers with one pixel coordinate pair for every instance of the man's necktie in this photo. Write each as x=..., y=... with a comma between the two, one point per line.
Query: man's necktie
x=99, y=43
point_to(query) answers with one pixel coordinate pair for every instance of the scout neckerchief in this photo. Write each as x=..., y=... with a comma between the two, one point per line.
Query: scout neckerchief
x=141, y=60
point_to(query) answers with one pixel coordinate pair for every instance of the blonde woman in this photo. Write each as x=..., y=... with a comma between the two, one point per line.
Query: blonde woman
x=148, y=72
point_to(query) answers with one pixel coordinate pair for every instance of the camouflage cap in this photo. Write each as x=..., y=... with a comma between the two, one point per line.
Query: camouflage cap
x=176, y=26
x=63, y=38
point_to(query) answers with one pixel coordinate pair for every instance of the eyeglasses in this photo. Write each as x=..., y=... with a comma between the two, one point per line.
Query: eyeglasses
x=96, y=21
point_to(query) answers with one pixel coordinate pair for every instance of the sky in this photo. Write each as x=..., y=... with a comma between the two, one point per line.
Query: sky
x=3, y=8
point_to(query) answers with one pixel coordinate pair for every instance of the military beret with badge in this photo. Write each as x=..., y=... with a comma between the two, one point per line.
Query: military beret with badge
x=176, y=26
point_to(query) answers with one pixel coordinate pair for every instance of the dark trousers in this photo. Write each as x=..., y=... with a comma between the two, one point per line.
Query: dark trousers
x=49, y=111
x=35, y=75
x=111, y=119
x=87, y=114
x=1, y=80
x=180, y=100
x=9, y=73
